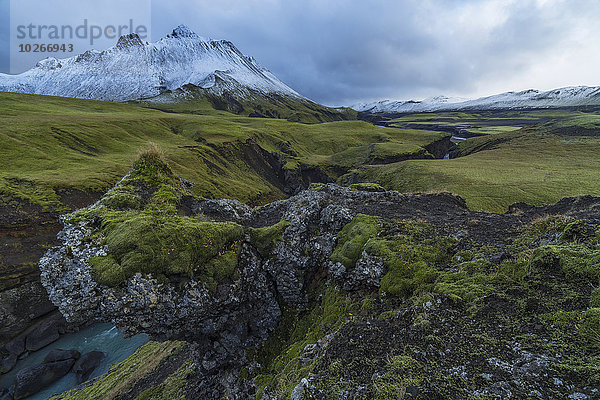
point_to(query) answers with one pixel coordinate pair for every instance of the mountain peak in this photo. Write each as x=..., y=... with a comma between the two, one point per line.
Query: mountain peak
x=183, y=31
x=129, y=40
x=135, y=69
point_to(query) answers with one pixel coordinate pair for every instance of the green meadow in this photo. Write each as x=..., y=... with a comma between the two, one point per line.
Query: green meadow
x=537, y=165
x=50, y=144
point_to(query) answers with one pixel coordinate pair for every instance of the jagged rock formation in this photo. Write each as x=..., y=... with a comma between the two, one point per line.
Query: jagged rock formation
x=415, y=268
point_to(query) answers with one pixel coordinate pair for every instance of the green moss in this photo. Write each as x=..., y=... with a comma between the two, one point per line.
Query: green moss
x=574, y=230
x=549, y=225
x=462, y=287
x=589, y=327
x=595, y=298
x=153, y=238
x=410, y=261
x=579, y=261
x=151, y=169
x=353, y=237
x=400, y=373
x=123, y=201
x=173, y=387
x=545, y=258
x=168, y=245
x=367, y=187
x=107, y=271
x=220, y=269
x=264, y=239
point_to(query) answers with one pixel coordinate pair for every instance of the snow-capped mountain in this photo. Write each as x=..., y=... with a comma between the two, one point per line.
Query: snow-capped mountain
x=406, y=106
x=563, y=97
x=133, y=69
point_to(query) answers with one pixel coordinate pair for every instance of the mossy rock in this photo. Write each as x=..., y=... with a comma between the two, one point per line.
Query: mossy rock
x=167, y=245
x=595, y=298
x=123, y=201
x=404, y=281
x=151, y=168
x=264, y=239
x=410, y=260
x=575, y=230
x=580, y=262
x=353, y=237
x=107, y=271
x=220, y=269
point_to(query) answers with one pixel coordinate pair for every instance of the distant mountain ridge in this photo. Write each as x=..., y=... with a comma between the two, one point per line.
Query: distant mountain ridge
x=133, y=69
x=181, y=72
x=563, y=97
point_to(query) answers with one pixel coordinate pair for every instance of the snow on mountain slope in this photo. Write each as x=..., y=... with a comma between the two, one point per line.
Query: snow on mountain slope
x=133, y=70
x=407, y=106
x=563, y=97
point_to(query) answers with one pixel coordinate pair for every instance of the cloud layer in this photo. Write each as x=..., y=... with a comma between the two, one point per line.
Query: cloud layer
x=340, y=52
x=346, y=51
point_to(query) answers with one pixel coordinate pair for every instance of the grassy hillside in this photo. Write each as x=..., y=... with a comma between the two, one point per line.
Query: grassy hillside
x=192, y=99
x=49, y=144
x=537, y=165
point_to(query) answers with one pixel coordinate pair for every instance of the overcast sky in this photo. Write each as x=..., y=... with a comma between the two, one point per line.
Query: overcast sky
x=341, y=52
x=346, y=51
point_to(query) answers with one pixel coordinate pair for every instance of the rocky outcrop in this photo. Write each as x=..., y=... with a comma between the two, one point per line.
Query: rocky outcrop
x=25, y=232
x=237, y=313
x=61, y=355
x=28, y=319
x=286, y=250
x=245, y=310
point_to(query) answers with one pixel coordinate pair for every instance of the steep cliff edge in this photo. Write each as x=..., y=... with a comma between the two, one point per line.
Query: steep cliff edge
x=336, y=293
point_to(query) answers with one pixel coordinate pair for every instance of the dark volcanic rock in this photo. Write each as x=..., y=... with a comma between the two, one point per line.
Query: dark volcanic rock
x=16, y=346
x=22, y=306
x=44, y=333
x=61, y=355
x=8, y=363
x=33, y=379
x=87, y=364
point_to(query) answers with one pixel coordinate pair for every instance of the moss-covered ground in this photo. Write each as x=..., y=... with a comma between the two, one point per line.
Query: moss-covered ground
x=449, y=320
